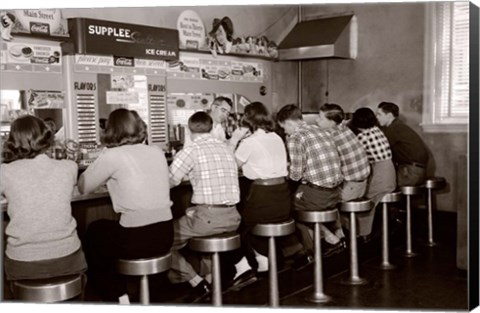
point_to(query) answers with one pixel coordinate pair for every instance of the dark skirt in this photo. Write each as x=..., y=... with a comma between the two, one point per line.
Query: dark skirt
x=108, y=241
x=68, y=265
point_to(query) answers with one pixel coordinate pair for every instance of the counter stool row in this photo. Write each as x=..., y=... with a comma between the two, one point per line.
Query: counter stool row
x=64, y=288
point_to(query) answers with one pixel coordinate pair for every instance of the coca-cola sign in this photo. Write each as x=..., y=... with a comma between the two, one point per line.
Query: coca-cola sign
x=39, y=28
x=124, y=61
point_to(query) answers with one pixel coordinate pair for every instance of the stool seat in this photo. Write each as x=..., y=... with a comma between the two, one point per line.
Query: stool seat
x=412, y=190
x=435, y=183
x=216, y=243
x=274, y=229
x=394, y=196
x=48, y=290
x=357, y=205
x=316, y=216
x=147, y=266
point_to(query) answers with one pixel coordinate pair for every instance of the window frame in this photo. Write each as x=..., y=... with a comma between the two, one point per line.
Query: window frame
x=430, y=123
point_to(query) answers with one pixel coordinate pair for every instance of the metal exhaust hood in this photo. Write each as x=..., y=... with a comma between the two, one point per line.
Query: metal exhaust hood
x=332, y=37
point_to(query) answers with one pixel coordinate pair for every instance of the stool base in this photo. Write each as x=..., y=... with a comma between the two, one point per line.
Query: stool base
x=410, y=254
x=318, y=298
x=431, y=244
x=387, y=266
x=354, y=281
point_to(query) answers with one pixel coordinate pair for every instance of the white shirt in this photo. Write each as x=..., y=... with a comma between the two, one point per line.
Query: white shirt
x=262, y=156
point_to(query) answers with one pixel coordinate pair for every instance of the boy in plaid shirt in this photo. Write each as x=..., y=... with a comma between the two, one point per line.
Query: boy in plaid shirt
x=212, y=170
x=314, y=160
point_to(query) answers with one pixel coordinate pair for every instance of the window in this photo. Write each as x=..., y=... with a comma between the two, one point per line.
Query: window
x=446, y=78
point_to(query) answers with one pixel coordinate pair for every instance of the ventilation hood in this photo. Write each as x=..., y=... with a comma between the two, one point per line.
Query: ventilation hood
x=332, y=37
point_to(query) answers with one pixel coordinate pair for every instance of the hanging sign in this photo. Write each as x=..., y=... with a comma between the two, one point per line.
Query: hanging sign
x=129, y=40
x=191, y=30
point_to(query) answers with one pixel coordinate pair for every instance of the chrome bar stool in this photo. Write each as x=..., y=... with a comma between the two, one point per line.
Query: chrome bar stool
x=431, y=184
x=352, y=207
x=271, y=231
x=392, y=197
x=48, y=290
x=215, y=244
x=143, y=268
x=317, y=217
x=409, y=191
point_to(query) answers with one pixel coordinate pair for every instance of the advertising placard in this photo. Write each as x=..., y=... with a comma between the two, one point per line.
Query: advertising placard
x=129, y=40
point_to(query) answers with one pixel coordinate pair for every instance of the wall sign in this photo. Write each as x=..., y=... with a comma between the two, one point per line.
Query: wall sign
x=191, y=30
x=40, y=22
x=110, y=38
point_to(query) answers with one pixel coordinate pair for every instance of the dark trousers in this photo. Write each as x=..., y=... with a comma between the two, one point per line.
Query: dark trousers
x=108, y=241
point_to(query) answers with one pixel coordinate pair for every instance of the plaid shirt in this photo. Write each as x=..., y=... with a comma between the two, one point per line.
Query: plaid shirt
x=375, y=144
x=313, y=157
x=355, y=165
x=211, y=169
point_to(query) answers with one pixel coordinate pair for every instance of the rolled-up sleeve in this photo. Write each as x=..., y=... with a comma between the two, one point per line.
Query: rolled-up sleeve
x=297, y=158
x=180, y=167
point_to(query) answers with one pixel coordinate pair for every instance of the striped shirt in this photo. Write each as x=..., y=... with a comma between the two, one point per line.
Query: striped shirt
x=314, y=157
x=375, y=144
x=212, y=170
x=355, y=165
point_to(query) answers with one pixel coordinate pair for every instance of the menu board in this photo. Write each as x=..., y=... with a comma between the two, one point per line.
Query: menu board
x=208, y=69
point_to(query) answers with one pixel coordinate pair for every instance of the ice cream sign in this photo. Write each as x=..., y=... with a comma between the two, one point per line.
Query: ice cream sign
x=98, y=37
x=191, y=30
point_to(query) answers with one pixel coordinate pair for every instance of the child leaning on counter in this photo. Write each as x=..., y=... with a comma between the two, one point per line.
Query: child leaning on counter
x=42, y=240
x=136, y=175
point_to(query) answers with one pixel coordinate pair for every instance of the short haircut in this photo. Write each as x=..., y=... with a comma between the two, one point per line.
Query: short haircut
x=29, y=136
x=363, y=118
x=256, y=116
x=289, y=112
x=333, y=112
x=124, y=127
x=223, y=99
x=200, y=123
x=389, y=107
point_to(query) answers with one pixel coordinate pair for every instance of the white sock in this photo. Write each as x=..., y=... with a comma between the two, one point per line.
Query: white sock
x=208, y=278
x=262, y=262
x=195, y=281
x=242, y=266
x=124, y=299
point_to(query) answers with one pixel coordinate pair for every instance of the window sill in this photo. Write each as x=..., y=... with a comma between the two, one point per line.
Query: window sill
x=445, y=128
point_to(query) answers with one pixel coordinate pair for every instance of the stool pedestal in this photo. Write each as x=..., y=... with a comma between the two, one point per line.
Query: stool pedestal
x=353, y=207
x=143, y=268
x=215, y=244
x=409, y=191
x=317, y=217
x=432, y=184
x=271, y=231
x=388, y=198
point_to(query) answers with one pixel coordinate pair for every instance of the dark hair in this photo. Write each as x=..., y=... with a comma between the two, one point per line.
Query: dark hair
x=227, y=25
x=223, y=99
x=256, y=116
x=389, y=107
x=10, y=16
x=289, y=112
x=200, y=123
x=363, y=118
x=29, y=136
x=333, y=112
x=124, y=127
